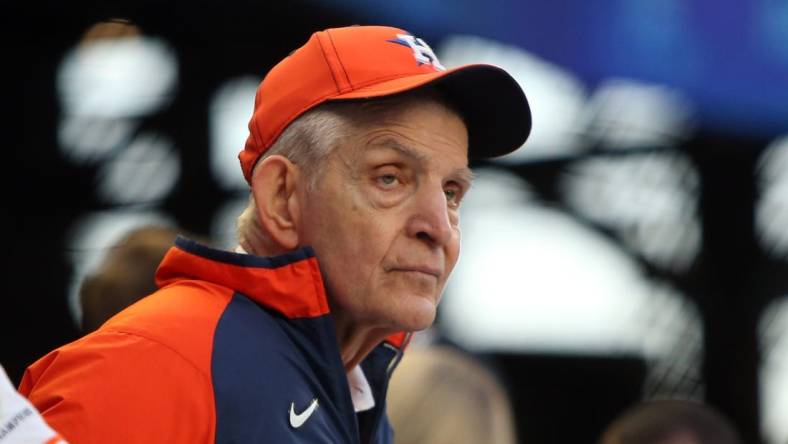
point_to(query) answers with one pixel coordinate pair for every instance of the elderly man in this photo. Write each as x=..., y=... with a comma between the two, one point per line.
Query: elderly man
x=357, y=160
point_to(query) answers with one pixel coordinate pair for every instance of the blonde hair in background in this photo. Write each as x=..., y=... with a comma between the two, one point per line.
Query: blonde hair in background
x=671, y=421
x=126, y=275
x=441, y=396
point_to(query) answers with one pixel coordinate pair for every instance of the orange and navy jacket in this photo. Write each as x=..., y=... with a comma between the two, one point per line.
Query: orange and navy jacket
x=217, y=354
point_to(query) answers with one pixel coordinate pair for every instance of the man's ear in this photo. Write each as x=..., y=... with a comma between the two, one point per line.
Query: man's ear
x=274, y=185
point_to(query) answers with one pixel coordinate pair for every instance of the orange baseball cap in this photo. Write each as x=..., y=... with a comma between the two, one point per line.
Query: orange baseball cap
x=364, y=62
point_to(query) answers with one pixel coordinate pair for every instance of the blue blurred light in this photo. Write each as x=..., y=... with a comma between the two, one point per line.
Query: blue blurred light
x=730, y=58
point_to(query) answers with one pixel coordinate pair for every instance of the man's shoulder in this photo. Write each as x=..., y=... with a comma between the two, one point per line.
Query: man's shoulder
x=179, y=305
x=199, y=320
x=110, y=384
x=181, y=317
x=175, y=324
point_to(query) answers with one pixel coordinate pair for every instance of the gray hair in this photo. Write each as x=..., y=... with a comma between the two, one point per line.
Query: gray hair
x=306, y=142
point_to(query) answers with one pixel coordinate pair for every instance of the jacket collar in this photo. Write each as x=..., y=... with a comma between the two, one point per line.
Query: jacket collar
x=289, y=283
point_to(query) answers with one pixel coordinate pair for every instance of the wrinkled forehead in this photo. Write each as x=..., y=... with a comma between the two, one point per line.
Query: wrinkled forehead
x=417, y=122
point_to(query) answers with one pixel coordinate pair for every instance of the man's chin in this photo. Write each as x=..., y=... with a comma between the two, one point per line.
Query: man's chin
x=420, y=316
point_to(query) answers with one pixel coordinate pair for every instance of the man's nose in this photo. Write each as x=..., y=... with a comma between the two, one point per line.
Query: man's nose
x=430, y=220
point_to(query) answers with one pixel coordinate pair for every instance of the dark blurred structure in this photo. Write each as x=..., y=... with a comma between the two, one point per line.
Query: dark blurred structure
x=78, y=159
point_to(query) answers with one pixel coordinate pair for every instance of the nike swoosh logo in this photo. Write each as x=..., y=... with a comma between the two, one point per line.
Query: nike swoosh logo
x=298, y=419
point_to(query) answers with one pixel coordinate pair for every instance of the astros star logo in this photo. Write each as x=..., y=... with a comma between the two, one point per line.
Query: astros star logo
x=421, y=50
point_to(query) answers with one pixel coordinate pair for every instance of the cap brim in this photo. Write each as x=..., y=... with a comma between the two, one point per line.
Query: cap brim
x=492, y=103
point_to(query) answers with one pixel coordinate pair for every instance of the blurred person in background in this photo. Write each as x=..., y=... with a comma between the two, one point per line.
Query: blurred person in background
x=126, y=274
x=357, y=161
x=670, y=421
x=440, y=395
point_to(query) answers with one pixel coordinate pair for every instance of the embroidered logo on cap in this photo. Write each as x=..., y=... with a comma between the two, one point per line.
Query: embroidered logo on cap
x=421, y=50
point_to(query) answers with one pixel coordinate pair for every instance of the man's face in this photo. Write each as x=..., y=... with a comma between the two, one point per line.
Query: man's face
x=384, y=217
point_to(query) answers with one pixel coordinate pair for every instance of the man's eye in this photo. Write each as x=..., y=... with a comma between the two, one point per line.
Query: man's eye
x=452, y=196
x=387, y=179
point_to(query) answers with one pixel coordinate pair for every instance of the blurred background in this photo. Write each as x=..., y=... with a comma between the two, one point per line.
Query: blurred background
x=637, y=248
